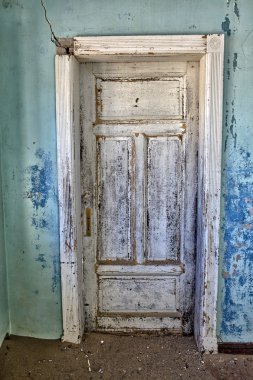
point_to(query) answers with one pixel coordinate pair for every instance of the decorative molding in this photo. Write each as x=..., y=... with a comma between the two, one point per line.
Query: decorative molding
x=68, y=151
x=210, y=122
x=131, y=47
x=215, y=44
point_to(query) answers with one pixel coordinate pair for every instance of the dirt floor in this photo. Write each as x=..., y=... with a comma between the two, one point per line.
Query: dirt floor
x=103, y=356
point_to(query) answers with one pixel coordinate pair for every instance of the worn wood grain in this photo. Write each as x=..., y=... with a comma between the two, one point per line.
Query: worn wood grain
x=123, y=47
x=209, y=190
x=163, y=198
x=88, y=192
x=68, y=143
x=136, y=294
x=140, y=97
x=115, y=194
x=169, y=323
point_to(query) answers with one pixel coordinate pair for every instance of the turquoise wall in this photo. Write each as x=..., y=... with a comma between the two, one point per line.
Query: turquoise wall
x=4, y=313
x=29, y=144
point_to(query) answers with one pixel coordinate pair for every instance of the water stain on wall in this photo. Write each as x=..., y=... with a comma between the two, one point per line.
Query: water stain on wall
x=40, y=184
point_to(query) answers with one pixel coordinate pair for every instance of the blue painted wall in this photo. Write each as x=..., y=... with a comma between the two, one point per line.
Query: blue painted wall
x=29, y=144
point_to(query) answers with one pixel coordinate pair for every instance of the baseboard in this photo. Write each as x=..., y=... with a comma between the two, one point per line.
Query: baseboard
x=2, y=337
x=235, y=348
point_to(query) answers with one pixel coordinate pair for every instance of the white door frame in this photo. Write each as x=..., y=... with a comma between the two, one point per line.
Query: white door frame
x=209, y=51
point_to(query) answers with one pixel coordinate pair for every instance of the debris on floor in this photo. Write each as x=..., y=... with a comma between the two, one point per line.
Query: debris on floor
x=109, y=357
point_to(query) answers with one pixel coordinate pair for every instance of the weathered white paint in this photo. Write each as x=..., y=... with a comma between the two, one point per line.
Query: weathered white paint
x=168, y=321
x=68, y=148
x=211, y=96
x=115, y=192
x=108, y=48
x=140, y=270
x=210, y=53
x=139, y=173
x=88, y=190
x=135, y=98
x=136, y=294
x=164, y=169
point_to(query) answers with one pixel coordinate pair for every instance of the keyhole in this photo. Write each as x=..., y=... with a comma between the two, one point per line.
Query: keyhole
x=88, y=226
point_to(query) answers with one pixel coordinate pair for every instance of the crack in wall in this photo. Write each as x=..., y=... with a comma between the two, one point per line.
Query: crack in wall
x=54, y=39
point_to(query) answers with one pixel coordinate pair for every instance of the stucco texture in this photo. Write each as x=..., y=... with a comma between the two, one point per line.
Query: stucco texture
x=29, y=145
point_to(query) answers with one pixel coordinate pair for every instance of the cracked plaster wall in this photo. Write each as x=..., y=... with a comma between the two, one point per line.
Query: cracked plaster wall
x=29, y=145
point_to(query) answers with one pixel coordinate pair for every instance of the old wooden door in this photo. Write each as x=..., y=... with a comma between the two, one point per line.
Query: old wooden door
x=139, y=184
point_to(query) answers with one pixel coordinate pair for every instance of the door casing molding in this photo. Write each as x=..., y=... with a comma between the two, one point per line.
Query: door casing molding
x=209, y=51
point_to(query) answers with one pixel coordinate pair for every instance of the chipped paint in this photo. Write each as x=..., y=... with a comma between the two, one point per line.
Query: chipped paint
x=238, y=253
x=225, y=25
x=230, y=125
x=41, y=179
x=41, y=259
x=40, y=191
x=235, y=61
x=141, y=168
x=236, y=10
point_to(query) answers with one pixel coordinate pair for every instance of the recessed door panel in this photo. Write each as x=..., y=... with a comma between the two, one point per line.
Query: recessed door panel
x=126, y=294
x=126, y=99
x=164, y=176
x=115, y=191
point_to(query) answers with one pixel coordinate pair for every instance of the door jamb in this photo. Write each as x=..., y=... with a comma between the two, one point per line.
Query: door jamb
x=209, y=50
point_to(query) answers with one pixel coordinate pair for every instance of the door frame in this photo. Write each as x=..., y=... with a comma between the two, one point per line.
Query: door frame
x=209, y=51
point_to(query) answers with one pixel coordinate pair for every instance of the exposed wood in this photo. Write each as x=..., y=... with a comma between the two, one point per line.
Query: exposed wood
x=68, y=143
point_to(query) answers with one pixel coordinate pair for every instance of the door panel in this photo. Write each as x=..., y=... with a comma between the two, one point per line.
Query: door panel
x=115, y=194
x=139, y=169
x=137, y=98
x=163, y=198
x=140, y=294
